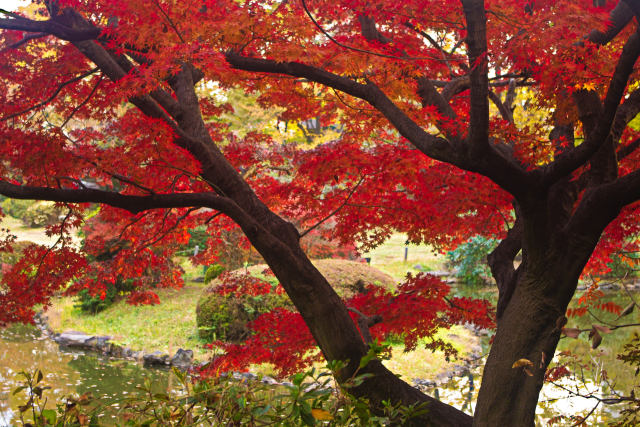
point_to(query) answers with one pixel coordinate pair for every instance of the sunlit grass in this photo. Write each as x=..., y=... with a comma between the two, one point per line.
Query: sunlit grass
x=389, y=258
x=164, y=327
x=424, y=363
x=171, y=324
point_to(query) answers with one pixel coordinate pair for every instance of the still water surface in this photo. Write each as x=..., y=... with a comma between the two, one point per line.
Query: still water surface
x=68, y=372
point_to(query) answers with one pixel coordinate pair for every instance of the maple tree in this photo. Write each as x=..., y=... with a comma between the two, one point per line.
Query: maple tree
x=503, y=118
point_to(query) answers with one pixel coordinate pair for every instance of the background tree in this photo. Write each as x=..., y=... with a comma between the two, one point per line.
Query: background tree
x=434, y=85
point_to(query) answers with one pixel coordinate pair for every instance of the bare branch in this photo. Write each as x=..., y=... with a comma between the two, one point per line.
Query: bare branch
x=133, y=204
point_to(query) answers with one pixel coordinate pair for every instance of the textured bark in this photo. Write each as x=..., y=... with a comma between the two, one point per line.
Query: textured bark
x=527, y=330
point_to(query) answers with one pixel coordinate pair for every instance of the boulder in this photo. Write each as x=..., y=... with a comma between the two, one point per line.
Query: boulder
x=182, y=358
x=155, y=358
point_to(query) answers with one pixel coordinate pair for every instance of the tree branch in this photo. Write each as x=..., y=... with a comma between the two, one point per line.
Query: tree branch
x=50, y=27
x=478, y=63
x=437, y=148
x=572, y=159
x=133, y=204
x=335, y=211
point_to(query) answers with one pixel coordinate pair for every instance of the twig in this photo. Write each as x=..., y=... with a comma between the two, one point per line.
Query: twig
x=365, y=322
x=24, y=40
x=335, y=211
x=52, y=97
x=79, y=106
x=356, y=49
x=169, y=20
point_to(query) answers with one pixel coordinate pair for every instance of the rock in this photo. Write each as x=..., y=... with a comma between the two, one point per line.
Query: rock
x=155, y=358
x=268, y=380
x=424, y=383
x=440, y=273
x=609, y=286
x=98, y=343
x=73, y=339
x=250, y=376
x=114, y=350
x=182, y=358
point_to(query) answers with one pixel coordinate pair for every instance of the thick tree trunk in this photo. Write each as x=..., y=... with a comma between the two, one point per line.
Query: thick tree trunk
x=534, y=304
x=528, y=330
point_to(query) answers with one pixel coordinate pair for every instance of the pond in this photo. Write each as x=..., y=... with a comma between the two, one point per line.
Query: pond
x=68, y=372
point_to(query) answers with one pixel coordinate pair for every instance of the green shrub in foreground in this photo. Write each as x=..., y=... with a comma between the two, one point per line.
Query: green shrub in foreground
x=309, y=400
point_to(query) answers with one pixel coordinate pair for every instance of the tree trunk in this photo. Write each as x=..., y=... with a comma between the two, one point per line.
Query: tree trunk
x=530, y=324
x=527, y=330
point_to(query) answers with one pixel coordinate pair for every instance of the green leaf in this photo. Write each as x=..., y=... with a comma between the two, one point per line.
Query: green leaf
x=161, y=396
x=19, y=389
x=49, y=415
x=298, y=378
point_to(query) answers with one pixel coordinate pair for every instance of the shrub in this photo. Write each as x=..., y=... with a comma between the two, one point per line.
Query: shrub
x=17, y=248
x=470, y=261
x=213, y=272
x=224, y=312
x=92, y=303
x=221, y=400
x=41, y=214
x=16, y=207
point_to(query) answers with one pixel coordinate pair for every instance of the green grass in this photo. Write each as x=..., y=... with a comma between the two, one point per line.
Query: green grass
x=389, y=257
x=424, y=363
x=164, y=327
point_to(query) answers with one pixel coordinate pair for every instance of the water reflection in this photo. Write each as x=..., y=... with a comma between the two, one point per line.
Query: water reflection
x=66, y=371
x=462, y=392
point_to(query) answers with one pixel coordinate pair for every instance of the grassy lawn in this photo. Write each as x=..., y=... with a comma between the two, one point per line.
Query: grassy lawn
x=164, y=327
x=389, y=258
x=423, y=363
x=35, y=235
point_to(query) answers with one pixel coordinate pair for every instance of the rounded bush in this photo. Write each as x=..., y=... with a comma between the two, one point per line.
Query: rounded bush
x=226, y=317
x=41, y=214
x=213, y=272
